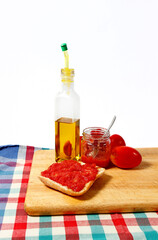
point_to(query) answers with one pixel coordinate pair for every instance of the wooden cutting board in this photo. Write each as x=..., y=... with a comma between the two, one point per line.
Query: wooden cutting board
x=119, y=190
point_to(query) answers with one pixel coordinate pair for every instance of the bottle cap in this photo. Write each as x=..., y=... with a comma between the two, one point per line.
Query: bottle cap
x=64, y=47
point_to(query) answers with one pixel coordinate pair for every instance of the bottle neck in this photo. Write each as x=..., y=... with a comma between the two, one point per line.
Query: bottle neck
x=67, y=78
x=67, y=86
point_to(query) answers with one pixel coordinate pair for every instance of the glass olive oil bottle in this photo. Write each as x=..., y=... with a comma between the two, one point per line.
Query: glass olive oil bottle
x=67, y=115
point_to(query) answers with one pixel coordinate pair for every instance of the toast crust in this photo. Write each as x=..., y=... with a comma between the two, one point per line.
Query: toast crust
x=64, y=189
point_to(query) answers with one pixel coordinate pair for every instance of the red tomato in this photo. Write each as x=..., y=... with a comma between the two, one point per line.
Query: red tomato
x=67, y=148
x=125, y=157
x=117, y=140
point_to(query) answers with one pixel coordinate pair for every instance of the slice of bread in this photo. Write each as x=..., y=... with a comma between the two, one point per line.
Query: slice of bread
x=57, y=186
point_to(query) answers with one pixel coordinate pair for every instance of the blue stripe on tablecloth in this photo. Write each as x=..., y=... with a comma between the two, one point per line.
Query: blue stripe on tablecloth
x=6, y=173
x=4, y=191
x=7, y=152
x=96, y=227
x=145, y=226
x=45, y=228
x=8, y=212
x=8, y=190
x=2, y=208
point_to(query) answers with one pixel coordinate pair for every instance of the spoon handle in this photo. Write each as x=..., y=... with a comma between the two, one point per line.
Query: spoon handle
x=112, y=122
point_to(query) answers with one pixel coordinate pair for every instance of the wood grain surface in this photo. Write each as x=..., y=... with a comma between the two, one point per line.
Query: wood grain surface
x=118, y=190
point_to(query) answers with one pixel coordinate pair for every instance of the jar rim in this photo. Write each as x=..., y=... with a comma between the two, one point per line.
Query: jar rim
x=104, y=133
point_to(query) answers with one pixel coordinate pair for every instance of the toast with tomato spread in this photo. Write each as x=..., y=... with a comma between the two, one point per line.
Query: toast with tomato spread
x=71, y=177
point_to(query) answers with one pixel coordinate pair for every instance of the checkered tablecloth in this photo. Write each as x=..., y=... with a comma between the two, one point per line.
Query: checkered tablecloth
x=15, y=164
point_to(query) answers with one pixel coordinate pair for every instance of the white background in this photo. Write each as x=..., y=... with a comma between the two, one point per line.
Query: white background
x=113, y=46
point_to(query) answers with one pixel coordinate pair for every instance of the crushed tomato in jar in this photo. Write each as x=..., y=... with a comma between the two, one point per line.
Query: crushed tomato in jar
x=95, y=146
x=71, y=173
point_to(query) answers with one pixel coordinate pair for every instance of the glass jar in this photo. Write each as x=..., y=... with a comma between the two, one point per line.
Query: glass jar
x=95, y=146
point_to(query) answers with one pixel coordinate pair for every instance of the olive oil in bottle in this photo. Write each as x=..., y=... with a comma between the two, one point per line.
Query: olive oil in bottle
x=67, y=138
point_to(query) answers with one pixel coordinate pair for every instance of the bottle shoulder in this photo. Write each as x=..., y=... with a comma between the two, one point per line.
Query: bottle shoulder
x=67, y=105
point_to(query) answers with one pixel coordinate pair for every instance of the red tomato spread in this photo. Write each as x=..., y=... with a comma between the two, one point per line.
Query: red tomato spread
x=71, y=173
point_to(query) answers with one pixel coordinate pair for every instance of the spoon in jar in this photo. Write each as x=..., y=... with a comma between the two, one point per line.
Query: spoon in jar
x=96, y=149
